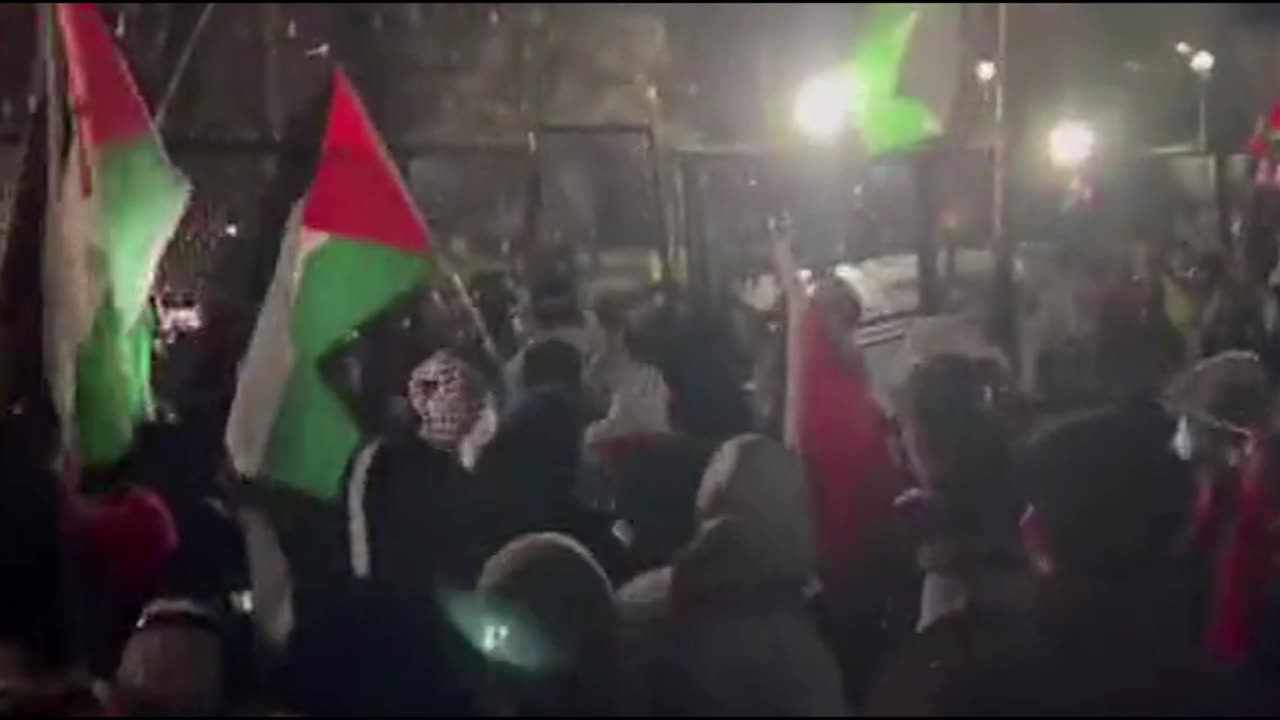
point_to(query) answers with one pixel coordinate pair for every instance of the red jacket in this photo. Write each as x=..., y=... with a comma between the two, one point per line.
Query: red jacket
x=1244, y=562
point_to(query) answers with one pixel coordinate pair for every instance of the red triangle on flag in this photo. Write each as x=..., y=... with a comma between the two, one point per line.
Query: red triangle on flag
x=357, y=191
x=103, y=96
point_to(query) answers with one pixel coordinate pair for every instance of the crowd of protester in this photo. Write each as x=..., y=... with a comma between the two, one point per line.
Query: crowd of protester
x=594, y=523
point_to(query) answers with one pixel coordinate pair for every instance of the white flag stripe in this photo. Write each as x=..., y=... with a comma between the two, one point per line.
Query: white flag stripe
x=269, y=361
x=73, y=294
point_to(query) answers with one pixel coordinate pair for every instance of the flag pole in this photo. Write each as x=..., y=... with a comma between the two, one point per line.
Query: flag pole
x=53, y=111
x=54, y=107
x=1004, y=295
x=184, y=59
x=468, y=304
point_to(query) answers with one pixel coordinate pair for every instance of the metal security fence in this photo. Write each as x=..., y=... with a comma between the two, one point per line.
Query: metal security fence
x=626, y=208
x=487, y=205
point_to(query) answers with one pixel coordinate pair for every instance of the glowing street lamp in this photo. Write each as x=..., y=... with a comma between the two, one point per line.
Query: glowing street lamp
x=1201, y=63
x=1183, y=48
x=1071, y=144
x=824, y=104
x=985, y=70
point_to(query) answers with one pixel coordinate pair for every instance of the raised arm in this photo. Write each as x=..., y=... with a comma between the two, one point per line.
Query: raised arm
x=784, y=261
x=784, y=265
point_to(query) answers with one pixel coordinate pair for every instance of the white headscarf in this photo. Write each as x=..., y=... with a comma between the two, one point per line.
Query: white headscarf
x=637, y=406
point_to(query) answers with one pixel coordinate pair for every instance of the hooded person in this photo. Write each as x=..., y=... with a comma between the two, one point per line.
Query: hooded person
x=636, y=422
x=172, y=664
x=1242, y=615
x=654, y=483
x=124, y=537
x=415, y=513
x=533, y=464
x=1227, y=404
x=536, y=449
x=961, y=454
x=554, y=313
x=707, y=397
x=833, y=421
x=637, y=407
x=730, y=624
x=840, y=432
x=554, y=651
x=1113, y=634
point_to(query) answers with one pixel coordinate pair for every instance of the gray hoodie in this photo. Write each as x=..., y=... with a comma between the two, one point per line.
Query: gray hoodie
x=732, y=633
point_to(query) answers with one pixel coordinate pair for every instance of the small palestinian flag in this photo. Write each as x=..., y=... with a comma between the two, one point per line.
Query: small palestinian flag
x=1266, y=135
x=355, y=245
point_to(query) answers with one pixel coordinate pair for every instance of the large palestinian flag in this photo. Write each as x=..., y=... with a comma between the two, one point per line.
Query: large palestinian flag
x=120, y=202
x=354, y=245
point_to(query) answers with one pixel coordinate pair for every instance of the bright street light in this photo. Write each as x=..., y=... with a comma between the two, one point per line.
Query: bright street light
x=1201, y=63
x=1183, y=48
x=1071, y=143
x=985, y=70
x=824, y=104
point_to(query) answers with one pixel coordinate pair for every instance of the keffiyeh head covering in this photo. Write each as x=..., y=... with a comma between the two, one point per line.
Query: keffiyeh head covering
x=448, y=397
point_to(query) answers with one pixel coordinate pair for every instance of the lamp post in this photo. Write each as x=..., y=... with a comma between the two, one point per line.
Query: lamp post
x=1201, y=64
x=985, y=71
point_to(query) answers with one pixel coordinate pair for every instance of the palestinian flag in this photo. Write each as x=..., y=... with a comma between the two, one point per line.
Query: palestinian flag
x=905, y=70
x=354, y=246
x=120, y=202
x=1266, y=135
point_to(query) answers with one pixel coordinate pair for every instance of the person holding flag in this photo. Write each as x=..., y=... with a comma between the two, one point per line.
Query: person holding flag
x=115, y=210
x=354, y=247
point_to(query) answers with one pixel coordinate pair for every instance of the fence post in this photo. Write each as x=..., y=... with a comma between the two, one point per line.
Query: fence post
x=926, y=238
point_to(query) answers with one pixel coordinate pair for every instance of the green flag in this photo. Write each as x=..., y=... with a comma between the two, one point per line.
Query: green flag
x=120, y=202
x=905, y=67
x=355, y=244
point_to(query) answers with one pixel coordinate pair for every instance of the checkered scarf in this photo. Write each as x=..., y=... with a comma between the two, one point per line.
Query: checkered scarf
x=448, y=397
